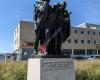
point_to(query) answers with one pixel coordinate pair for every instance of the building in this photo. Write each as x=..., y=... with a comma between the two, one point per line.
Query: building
x=84, y=40
x=23, y=40
x=2, y=57
x=6, y=57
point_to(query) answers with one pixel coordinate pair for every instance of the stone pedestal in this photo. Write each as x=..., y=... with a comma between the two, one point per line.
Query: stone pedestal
x=50, y=69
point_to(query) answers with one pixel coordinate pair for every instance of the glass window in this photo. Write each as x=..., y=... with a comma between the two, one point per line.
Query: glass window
x=88, y=32
x=69, y=41
x=91, y=52
x=76, y=52
x=93, y=33
x=79, y=52
x=94, y=42
x=75, y=31
x=67, y=51
x=88, y=41
x=99, y=33
x=82, y=32
x=99, y=52
x=76, y=41
x=82, y=41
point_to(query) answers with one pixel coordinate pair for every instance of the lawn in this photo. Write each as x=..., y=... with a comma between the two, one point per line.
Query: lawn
x=85, y=70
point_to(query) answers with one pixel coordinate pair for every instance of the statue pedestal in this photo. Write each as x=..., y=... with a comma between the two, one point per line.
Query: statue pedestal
x=50, y=69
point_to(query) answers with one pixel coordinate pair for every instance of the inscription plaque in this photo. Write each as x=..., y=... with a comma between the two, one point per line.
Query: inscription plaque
x=53, y=66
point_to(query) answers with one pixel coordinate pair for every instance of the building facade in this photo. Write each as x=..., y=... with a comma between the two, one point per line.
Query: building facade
x=84, y=40
x=23, y=40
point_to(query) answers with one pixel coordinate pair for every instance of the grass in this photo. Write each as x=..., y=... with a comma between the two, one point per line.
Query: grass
x=85, y=70
x=13, y=71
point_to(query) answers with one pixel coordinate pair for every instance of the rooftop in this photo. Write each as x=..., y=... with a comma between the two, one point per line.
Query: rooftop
x=89, y=26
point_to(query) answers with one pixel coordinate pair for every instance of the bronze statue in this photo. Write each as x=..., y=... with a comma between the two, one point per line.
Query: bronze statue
x=52, y=27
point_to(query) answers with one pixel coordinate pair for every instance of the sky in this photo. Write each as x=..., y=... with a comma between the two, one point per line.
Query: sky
x=12, y=11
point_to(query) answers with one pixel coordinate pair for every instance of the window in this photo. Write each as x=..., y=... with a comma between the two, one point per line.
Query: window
x=79, y=52
x=76, y=41
x=88, y=41
x=69, y=41
x=82, y=32
x=75, y=31
x=88, y=32
x=91, y=52
x=82, y=41
x=67, y=51
x=94, y=42
x=99, y=33
x=99, y=52
x=93, y=33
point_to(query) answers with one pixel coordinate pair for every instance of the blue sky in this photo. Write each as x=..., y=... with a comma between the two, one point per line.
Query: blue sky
x=12, y=11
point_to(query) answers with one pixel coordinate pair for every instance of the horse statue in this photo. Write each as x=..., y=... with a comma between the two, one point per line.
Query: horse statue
x=52, y=27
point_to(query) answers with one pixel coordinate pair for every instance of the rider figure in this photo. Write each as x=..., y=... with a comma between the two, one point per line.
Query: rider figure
x=41, y=10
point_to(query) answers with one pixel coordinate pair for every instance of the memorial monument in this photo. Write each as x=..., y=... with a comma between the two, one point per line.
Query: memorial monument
x=52, y=28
